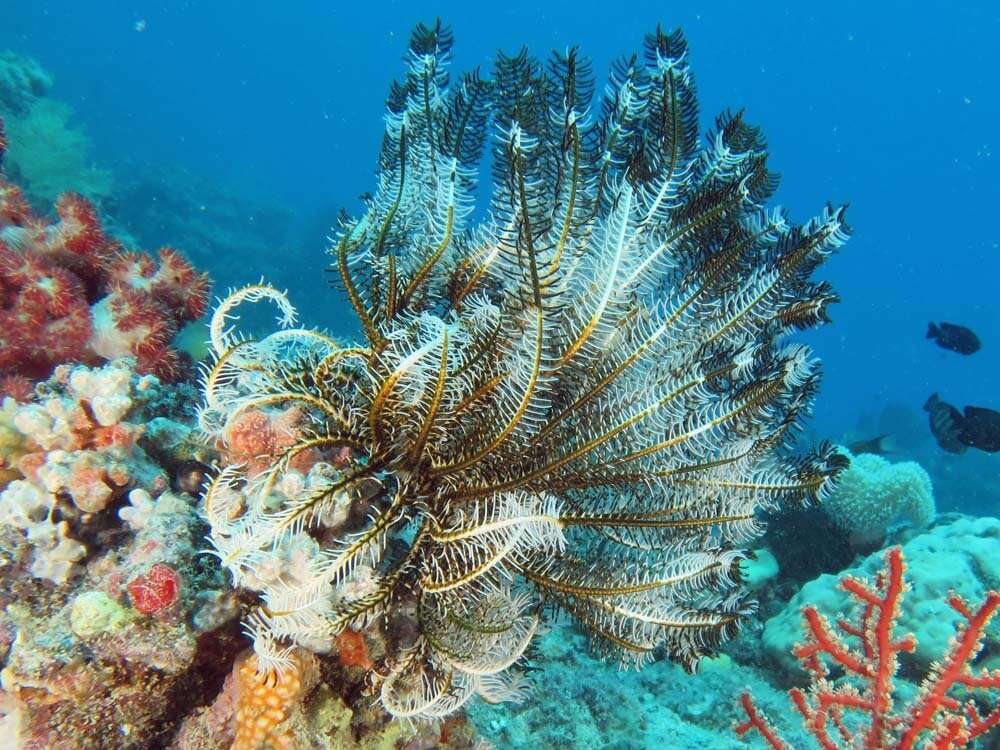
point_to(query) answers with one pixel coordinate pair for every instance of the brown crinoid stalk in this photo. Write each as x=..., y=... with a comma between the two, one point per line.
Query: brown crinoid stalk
x=580, y=401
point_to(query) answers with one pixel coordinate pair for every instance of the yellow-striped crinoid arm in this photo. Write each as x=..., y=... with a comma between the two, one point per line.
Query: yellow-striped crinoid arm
x=582, y=401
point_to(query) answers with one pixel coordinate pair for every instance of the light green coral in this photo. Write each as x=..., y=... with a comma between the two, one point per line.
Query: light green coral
x=95, y=612
x=46, y=154
x=22, y=82
x=873, y=494
x=49, y=156
x=13, y=443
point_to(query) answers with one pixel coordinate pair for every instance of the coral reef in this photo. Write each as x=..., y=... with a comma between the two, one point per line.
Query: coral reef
x=76, y=457
x=23, y=81
x=583, y=703
x=580, y=402
x=99, y=631
x=48, y=156
x=72, y=294
x=288, y=714
x=125, y=636
x=962, y=557
x=266, y=698
x=858, y=711
x=872, y=494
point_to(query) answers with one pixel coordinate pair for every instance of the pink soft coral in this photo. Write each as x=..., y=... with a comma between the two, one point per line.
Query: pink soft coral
x=69, y=293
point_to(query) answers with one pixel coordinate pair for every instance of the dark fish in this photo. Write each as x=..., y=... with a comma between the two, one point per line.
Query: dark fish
x=880, y=445
x=954, y=337
x=945, y=422
x=980, y=428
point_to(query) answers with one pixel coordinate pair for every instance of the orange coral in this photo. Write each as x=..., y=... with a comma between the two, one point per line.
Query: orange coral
x=256, y=438
x=265, y=700
x=352, y=650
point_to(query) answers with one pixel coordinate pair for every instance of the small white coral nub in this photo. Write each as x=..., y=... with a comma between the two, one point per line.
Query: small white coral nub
x=55, y=553
x=107, y=390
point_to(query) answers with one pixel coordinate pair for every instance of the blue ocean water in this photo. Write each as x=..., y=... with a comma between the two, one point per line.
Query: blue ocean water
x=891, y=107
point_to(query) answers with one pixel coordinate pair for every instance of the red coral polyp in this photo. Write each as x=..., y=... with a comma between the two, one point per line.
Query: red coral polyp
x=14, y=208
x=44, y=317
x=179, y=286
x=80, y=231
x=130, y=269
x=155, y=592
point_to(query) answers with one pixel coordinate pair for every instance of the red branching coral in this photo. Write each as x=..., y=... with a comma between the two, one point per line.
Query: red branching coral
x=156, y=591
x=69, y=293
x=830, y=710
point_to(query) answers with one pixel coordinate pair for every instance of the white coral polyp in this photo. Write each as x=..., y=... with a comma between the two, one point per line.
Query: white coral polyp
x=107, y=390
x=74, y=472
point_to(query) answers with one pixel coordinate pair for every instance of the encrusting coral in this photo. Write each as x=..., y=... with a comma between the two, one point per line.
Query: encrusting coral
x=578, y=403
x=858, y=710
x=266, y=698
x=77, y=454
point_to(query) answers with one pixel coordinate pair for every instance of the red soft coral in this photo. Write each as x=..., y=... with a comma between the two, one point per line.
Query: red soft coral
x=146, y=306
x=69, y=293
x=179, y=287
x=14, y=209
x=44, y=318
x=156, y=591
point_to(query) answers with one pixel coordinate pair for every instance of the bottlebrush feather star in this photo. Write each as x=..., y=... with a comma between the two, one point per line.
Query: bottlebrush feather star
x=578, y=403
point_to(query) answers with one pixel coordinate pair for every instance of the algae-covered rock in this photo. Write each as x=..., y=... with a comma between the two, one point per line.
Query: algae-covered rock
x=95, y=612
x=22, y=82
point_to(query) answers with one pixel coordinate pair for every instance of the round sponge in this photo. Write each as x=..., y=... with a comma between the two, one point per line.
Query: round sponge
x=873, y=494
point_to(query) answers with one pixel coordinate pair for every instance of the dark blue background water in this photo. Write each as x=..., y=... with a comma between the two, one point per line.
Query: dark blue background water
x=893, y=109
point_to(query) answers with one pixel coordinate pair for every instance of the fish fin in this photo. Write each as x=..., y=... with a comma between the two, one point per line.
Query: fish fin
x=884, y=443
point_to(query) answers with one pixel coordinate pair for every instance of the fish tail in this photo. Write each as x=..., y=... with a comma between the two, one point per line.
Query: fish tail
x=932, y=331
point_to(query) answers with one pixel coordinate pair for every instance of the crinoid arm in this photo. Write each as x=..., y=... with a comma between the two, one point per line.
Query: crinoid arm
x=580, y=402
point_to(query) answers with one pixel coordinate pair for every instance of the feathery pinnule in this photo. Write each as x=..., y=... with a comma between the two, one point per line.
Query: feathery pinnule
x=578, y=402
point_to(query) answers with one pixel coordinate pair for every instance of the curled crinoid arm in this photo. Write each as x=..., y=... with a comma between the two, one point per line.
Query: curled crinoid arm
x=581, y=401
x=222, y=333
